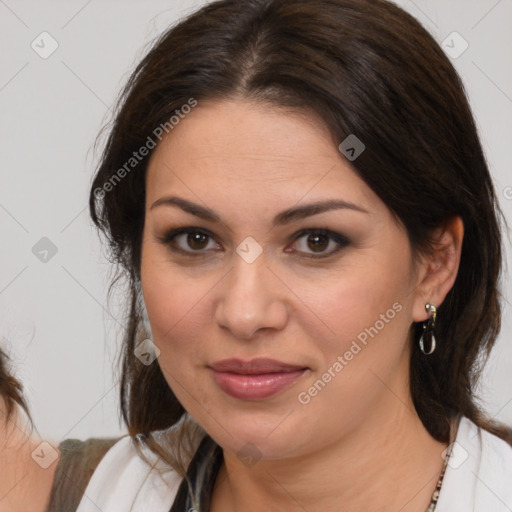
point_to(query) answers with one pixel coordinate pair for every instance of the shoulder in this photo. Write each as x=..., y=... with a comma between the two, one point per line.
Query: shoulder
x=479, y=472
x=494, y=471
x=124, y=481
x=77, y=462
x=495, y=453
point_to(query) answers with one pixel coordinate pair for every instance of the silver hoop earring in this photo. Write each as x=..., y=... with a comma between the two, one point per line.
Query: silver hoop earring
x=427, y=337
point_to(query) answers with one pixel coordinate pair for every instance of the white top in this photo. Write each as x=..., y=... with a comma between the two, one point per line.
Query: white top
x=478, y=478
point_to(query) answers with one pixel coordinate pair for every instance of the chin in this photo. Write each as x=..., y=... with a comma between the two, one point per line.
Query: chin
x=260, y=434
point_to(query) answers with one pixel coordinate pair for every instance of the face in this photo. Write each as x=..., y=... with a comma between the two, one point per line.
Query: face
x=238, y=264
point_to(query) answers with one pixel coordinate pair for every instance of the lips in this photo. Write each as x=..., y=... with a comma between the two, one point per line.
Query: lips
x=256, y=379
x=254, y=367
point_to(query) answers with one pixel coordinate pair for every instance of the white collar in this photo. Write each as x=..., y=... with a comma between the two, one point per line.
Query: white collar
x=478, y=478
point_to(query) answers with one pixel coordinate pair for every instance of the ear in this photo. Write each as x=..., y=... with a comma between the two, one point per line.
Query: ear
x=438, y=268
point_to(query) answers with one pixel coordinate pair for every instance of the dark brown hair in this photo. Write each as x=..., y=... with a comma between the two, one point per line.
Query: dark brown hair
x=365, y=67
x=11, y=391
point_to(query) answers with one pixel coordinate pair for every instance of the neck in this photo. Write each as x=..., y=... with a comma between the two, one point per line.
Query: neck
x=388, y=463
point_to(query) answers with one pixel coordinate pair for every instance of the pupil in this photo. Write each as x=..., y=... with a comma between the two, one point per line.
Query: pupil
x=196, y=240
x=318, y=242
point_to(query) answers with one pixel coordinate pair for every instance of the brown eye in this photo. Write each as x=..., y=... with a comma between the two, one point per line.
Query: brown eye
x=318, y=242
x=197, y=240
x=190, y=241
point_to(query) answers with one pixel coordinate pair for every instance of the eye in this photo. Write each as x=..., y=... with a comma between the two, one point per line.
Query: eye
x=321, y=242
x=189, y=240
x=312, y=243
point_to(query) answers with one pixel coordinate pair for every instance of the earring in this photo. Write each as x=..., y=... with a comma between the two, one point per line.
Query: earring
x=142, y=309
x=428, y=327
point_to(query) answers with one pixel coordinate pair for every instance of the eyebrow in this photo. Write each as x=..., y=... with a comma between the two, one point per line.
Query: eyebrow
x=284, y=217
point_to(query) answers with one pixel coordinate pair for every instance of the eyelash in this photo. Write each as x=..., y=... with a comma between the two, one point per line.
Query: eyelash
x=169, y=237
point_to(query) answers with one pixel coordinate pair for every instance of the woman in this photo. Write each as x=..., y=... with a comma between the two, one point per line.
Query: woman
x=27, y=466
x=37, y=475
x=297, y=196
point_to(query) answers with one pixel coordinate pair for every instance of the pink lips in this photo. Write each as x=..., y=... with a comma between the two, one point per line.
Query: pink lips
x=256, y=379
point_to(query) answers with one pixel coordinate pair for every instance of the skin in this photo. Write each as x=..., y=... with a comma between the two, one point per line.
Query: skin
x=24, y=485
x=358, y=444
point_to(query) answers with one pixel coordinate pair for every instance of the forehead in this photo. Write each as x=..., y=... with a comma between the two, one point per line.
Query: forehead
x=240, y=149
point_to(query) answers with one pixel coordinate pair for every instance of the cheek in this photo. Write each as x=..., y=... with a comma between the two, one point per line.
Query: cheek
x=179, y=325
x=366, y=310
x=358, y=298
x=367, y=316
x=176, y=309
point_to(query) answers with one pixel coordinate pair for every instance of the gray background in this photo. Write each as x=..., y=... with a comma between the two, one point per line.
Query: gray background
x=55, y=320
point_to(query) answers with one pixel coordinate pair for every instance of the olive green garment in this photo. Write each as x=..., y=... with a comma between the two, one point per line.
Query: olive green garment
x=78, y=460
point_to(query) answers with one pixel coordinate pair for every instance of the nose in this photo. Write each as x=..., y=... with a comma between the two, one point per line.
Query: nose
x=251, y=299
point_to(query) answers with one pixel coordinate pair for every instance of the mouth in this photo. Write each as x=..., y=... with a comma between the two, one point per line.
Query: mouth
x=256, y=379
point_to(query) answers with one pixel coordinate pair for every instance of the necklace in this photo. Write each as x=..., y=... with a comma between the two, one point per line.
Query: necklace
x=454, y=427
x=437, y=491
x=196, y=488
